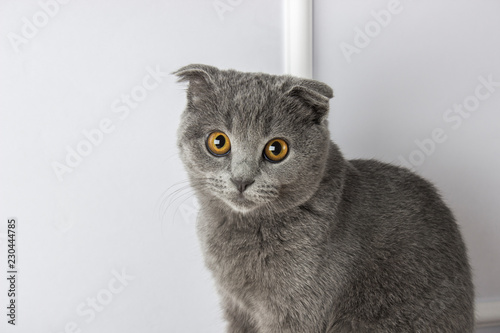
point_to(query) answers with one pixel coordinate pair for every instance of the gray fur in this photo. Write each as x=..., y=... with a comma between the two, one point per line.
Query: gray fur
x=318, y=243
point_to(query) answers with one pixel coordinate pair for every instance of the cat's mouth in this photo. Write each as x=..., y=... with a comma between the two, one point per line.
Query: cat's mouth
x=241, y=203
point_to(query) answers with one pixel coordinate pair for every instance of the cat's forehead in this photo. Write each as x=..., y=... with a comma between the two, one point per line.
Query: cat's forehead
x=252, y=88
x=252, y=104
x=249, y=101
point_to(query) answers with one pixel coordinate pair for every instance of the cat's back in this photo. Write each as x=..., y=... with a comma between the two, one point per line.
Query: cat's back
x=387, y=192
x=410, y=253
x=396, y=212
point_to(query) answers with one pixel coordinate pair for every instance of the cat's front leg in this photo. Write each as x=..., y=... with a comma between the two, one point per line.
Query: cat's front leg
x=238, y=319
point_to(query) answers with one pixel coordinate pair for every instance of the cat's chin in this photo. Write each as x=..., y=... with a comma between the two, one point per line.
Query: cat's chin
x=241, y=204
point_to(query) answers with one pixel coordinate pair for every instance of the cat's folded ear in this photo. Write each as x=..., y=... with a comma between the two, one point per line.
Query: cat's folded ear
x=314, y=94
x=199, y=77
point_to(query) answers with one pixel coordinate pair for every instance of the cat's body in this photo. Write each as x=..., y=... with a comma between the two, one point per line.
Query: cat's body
x=315, y=243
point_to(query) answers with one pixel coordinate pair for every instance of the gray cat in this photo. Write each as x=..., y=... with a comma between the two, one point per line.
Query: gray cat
x=301, y=240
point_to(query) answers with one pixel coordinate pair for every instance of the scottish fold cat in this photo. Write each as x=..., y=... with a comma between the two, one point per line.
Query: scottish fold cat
x=301, y=240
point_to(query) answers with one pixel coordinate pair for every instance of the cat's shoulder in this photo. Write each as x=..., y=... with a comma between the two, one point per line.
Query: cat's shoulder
x=374, y=173
x=378, y=169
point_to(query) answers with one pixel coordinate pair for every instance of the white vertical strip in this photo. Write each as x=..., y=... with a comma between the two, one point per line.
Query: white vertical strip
x=299, y=38
x=487, y=314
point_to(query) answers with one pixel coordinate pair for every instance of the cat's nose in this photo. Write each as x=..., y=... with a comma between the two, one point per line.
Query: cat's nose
x=242, y=184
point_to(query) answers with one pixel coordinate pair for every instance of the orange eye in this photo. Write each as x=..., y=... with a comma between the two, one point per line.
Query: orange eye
x=276, y=150
x=218, y=144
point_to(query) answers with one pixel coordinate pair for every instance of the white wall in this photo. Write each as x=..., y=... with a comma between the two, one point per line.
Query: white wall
x=398, y=87
x=103, y=216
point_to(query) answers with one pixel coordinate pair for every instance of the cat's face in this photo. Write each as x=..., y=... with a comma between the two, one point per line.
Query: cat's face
x=253, y=141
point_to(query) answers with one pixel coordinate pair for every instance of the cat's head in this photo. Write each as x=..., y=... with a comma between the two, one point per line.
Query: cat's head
x=253, y=141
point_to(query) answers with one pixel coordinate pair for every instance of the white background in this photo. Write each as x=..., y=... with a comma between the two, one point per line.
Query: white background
x=125, y=206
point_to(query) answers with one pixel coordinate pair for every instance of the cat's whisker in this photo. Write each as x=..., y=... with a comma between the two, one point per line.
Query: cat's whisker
x=170, y=199
x=163, y=198
x=171, y=190
x=190, y=195
x=172, y=218
x=168, y=208
x=178, y=194
x=181, y=182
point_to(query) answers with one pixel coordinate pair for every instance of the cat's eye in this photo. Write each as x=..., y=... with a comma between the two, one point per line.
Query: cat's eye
x=276, y=150
x=218, y=143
